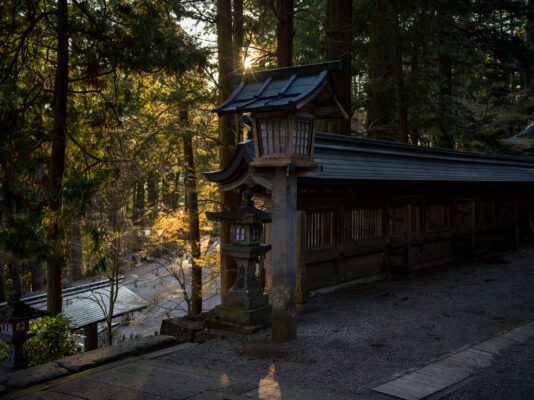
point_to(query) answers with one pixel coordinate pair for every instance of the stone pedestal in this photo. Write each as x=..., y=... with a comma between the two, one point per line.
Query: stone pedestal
x=245, y=308
x=15, y=358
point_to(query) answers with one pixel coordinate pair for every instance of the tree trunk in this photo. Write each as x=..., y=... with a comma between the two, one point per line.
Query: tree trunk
x=381, y=87
x=134, y=202
x=338, y=43
x=239, y=67
x=37, y=276
x=192, y=213
x=54, y=297
x=176, y=192
x=153, y=194
x=399, y=77
x=14, y=271
x=446, y=136
x=414, y=67
x=113, y=292
x=284, y=32
x=140, y=202
x=75, y=256
x=226, y=135
x=529, y=73
x=3, y=296
x=170, y=189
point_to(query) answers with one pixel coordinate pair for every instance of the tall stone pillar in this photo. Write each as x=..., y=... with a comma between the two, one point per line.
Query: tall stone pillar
x=284, y=253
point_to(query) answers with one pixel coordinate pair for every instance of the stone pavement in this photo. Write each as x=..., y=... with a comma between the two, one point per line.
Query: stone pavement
x=56, y=369
x=145, y=377
x=455, y=368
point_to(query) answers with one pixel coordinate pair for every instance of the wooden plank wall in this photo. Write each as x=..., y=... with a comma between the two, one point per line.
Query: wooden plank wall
x=361, y=237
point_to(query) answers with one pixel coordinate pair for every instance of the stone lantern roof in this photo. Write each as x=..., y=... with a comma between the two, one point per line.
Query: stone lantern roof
x=246, y=213
x=16, y=310
x=289, y=89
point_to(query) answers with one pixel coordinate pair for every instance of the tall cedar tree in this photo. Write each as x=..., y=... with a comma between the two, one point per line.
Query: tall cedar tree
x=193, y=217
x=338, y=43
x=284, y=33
x=381, y=85
x=227, y=137
x=59, y=137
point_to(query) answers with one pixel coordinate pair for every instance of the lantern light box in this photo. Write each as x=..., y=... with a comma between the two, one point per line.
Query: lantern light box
x=284, y=104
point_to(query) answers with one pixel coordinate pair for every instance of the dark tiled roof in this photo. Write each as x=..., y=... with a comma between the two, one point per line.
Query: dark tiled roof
x=246, y=213
x=342, y=158
x=18, y=311
x=82, y=304
x=280, y=89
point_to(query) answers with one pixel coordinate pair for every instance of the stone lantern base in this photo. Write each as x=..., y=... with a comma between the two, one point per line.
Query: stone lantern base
x=15, y=358
x=245, y=308
x=237, y=320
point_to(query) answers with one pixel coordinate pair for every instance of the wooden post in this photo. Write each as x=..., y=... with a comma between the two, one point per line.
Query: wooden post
x=473, y=226
x=516, y=233
x=407, y=223
x=302, y=295
x=284, y=272
x=91, y=337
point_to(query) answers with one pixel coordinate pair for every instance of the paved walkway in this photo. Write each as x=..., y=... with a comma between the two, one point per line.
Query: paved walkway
x=146, y=378
x=454, y=368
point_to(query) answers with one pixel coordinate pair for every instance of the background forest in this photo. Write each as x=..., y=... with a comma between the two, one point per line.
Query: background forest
x=106, y=123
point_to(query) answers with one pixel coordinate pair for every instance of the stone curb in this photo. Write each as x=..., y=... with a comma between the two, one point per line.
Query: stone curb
x=79, y=362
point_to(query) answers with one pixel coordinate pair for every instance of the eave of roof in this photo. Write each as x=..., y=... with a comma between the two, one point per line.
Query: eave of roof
x=283, y=89
x=81, y=303
x=345, y=158
x=523, y=138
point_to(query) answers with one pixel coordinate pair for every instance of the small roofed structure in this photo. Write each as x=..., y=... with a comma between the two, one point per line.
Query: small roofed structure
x=15, y=320
x=84, y=305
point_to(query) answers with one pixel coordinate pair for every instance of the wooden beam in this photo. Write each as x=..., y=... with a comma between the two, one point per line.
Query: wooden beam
x=407, y=224
x=284, y=273
x=302, y=293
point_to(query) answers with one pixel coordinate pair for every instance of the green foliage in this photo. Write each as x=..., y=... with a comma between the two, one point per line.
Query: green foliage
x=4, y=350
x=52, y=340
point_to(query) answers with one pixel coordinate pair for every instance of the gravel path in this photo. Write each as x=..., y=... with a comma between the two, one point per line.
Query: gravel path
x=351, y=339
x=511, y=376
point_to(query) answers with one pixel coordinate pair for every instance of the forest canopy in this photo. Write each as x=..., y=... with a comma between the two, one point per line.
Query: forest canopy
x=105, y=107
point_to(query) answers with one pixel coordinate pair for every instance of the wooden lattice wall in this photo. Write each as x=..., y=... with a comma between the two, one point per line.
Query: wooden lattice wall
x=345, y=240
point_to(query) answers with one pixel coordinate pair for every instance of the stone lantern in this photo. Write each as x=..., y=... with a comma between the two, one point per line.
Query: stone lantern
x=15, y=321
x=245, y=308
x=284, y=104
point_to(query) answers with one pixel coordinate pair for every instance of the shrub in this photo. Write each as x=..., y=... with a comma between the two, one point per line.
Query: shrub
x=52, y=340
x=4, y=350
